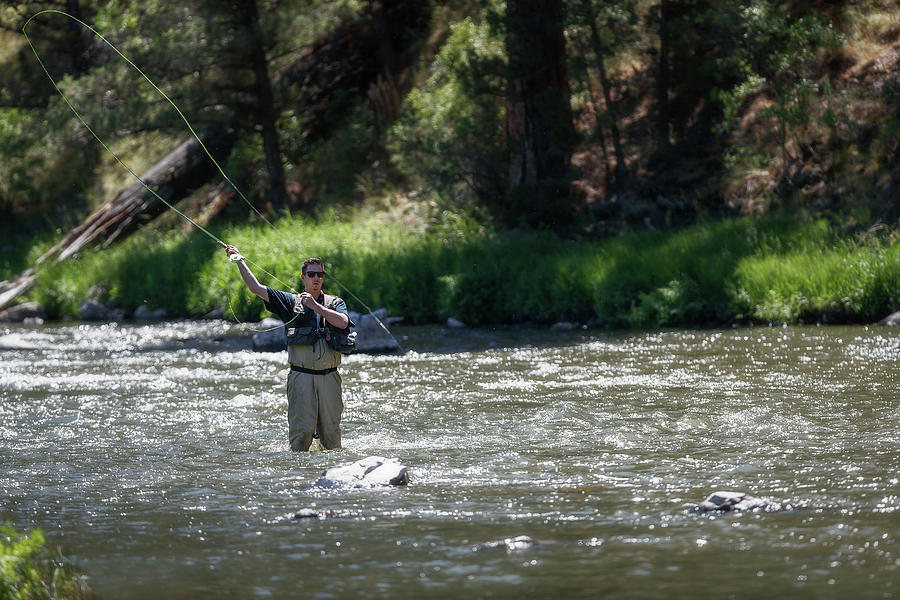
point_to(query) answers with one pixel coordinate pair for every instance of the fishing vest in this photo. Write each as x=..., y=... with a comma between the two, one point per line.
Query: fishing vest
x=303, y=330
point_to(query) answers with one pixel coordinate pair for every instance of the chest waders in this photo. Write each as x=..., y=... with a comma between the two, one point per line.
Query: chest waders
x=314, y=394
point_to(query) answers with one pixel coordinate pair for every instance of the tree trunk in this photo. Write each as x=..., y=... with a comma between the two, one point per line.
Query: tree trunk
x=621, y=171
x=539, y=126
x=265, y=105
x=662, y=81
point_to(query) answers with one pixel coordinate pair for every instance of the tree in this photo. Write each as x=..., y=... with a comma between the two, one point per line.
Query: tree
x=248, y=45
x=31, y=136
x=602, y=49
x=662, y=77
x=540, y=134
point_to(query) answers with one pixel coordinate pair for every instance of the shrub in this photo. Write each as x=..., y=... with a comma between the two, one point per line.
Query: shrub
x=27, y=570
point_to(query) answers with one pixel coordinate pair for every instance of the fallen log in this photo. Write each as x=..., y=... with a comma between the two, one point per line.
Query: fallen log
x=179, y=173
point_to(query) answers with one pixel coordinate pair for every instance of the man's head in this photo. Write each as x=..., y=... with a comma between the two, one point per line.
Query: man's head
x=313, y=273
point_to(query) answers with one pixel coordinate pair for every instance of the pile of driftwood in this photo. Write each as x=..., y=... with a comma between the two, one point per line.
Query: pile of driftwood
x=10, y=290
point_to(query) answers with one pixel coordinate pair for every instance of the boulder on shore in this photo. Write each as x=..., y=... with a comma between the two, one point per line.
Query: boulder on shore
x=892, y=320
x=94, y=311
x=215, y=314
x=142, y=313
x=370, y=335
x=20, y=312
x=269, y=336
x=372, y=332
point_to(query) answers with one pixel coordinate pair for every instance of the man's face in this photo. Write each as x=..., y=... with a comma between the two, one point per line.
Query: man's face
x=312, y=279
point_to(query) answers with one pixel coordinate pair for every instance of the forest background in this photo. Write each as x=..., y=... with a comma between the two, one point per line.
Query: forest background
x=632, y=163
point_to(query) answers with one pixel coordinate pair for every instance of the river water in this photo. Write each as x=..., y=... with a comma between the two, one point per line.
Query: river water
x=156, y=458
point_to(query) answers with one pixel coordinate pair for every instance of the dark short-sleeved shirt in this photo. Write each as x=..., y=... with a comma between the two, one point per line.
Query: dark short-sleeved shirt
x=282, y=304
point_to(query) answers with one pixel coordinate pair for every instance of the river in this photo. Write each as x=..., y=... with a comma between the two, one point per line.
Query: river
x=156, y=458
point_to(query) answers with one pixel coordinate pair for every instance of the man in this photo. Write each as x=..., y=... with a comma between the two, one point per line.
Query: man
x=317, y=328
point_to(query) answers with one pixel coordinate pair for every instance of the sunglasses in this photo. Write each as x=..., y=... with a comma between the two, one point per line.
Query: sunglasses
x=315, y=273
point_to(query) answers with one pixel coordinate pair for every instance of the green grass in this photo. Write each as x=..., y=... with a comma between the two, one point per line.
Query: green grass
x=771, y=270
x=841, y=282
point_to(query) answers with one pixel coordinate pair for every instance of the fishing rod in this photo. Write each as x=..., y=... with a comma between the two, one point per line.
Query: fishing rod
x=193, y=133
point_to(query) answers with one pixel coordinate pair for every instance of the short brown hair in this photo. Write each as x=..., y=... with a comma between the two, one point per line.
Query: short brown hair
x=311, y=261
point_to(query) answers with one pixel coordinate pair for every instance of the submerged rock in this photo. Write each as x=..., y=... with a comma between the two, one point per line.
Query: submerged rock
x=311, y=513
x=731, y=501
x=372, y=471
x=516, y=544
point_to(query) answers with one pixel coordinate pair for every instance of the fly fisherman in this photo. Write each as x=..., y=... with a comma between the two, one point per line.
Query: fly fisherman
x=317, y=331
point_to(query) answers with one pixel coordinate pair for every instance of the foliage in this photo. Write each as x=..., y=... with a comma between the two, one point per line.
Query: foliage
x=777, y=53
x=821, y=279
x=449, y=137
x=449, y=142
x=330, y=168
x=28, y=571
x=753, y=95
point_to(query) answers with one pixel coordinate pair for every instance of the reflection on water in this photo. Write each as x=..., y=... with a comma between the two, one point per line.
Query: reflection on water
x=156, y=457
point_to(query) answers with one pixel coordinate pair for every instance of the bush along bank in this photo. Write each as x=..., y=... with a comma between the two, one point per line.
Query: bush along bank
x=741, y=270
x=28, y=570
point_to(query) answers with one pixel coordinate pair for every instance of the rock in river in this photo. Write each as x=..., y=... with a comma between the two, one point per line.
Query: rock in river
x=373, y=333
x=372, y=471
x=731, y=501
x=516, y=544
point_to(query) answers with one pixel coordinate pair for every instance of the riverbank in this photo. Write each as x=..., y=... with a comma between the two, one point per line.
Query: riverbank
x=775, y=270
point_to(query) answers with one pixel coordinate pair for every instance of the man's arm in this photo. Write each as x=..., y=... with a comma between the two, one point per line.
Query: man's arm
x=337, y=319
x=249, y=278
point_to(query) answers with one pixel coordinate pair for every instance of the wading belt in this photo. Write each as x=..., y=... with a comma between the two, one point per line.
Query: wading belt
x=313, y=371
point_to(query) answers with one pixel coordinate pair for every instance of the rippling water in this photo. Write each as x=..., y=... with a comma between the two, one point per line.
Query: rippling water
x=156, y=457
